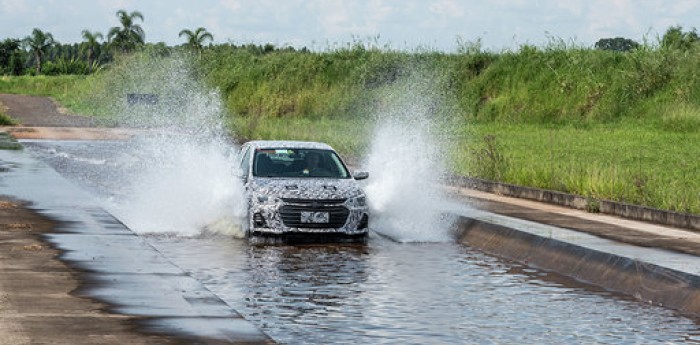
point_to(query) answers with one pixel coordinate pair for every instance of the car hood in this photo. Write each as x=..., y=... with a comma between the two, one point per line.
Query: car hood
x=305, y=188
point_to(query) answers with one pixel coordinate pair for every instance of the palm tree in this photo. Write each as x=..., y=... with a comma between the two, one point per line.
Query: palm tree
x=91, y=42
x=129, y=35
x=195, y=40
x=38, y=42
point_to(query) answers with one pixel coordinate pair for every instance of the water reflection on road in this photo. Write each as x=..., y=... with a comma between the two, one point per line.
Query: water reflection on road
x=386, y=292
x=383, y=291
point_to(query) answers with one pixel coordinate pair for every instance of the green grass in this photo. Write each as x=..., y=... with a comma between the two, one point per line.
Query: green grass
x=619, y=126
x=629, y=162
x=39, y=85
x=69, y=90
x=6, y=120
x=348, y=136
x=8, y=143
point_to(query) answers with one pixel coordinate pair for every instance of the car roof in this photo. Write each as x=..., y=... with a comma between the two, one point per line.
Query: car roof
x=271, y=144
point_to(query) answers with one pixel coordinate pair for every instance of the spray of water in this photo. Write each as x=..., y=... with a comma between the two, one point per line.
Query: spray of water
x=181, y=182
x=407, y=161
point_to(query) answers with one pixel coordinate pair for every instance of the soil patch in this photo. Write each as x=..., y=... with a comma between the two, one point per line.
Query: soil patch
x=41, y=112
x=42, y=118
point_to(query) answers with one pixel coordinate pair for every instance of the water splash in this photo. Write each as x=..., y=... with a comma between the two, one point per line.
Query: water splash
x=185, y=188
x=182, y=181
x=406, y=162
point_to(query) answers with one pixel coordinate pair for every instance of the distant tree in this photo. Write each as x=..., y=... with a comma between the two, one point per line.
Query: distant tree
x=618, y=44
x=91, y=43
x=196, y=39
x=38, y=43
x=130, y=35
x=9, y=48
x=675, y=38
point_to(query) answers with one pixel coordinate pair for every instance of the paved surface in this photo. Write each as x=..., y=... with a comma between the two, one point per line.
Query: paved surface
x=610, y=227
x=134, y=284
x=37, y=305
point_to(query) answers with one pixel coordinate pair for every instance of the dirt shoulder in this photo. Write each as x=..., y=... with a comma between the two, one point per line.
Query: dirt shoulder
x=38, y=111
x=68, y=133
x=42, y=118
x=36, y=305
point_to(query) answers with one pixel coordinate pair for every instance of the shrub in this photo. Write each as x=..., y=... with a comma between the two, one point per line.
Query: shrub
x=6, y=120
x=65, y=66
x=488, y=160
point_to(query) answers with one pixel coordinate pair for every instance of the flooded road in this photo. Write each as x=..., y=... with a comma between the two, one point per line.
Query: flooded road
x=382, y=291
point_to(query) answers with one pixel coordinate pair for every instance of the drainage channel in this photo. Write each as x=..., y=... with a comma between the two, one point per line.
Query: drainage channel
x=651, y=275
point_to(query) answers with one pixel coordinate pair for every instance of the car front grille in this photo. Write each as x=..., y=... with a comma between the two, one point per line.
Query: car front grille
x=299, y=201
x=291, y=212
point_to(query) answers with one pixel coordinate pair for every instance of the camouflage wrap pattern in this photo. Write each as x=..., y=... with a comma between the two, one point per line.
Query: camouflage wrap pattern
x=267, y=196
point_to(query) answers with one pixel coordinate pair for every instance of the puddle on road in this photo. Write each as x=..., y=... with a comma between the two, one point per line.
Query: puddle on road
x=388, y=292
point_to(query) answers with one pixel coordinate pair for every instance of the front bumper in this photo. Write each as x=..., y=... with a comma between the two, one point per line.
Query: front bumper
x=284, y=216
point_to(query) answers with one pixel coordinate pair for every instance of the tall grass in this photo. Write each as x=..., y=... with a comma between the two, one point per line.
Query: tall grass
x=620, y=126
x=70, y=90
x=629, y=161
x=6, y=120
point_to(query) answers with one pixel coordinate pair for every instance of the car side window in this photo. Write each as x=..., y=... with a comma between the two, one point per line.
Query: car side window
x=245, y=162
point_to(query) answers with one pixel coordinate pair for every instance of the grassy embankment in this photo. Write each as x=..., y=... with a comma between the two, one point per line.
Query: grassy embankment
x=596, y=123
x=5, y=120
x=620, y=126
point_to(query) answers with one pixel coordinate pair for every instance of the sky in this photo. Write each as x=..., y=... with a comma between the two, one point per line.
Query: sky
x=328, y=24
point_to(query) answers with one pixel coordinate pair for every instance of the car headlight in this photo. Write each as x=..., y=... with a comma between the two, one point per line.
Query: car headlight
x=266, y=200
x=359, y=201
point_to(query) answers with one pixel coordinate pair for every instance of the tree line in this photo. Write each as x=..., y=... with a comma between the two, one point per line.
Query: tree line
x=673, y=38
x=40, y=53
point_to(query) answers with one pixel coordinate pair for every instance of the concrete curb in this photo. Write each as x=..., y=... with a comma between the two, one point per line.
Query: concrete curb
x=629, y=211
x=645, y=281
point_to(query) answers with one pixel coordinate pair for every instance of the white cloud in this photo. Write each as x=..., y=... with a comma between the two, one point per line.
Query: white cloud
x=232, y=5
x=408, y=23
x=575, y=8
x=679, y=7
x=17, y=7
x=339, y=18
x=607, y=18
x=447, y=8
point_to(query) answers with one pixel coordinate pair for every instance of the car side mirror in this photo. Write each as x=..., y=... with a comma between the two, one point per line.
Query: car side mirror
x=360, y=175
x=239, y=174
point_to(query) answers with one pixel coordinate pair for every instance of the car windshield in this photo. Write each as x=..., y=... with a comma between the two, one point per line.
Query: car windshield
x=298, y=163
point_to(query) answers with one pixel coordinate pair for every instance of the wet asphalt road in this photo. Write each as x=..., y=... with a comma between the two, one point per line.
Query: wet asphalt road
x=381, y=292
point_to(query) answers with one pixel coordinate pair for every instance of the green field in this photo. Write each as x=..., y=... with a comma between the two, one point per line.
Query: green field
x=69, y=90
x=627, y=162
x=604, y=124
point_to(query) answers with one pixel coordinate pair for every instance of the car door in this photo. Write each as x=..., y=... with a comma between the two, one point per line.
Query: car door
x=244, y=173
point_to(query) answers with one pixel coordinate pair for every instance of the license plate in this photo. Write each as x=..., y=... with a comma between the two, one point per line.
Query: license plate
x=314, y=217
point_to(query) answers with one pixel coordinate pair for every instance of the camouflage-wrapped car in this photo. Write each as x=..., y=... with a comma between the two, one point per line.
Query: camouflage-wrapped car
x=301, y=188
